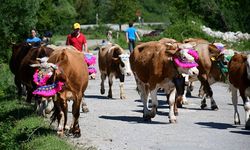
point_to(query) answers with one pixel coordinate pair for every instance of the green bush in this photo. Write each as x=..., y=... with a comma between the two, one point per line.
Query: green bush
x=7, y=87
x=182, y=29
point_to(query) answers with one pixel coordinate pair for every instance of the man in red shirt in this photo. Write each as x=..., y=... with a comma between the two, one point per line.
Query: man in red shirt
x=77, y=39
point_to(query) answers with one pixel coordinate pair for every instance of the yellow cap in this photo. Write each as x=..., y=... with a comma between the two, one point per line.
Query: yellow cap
x=76, y=26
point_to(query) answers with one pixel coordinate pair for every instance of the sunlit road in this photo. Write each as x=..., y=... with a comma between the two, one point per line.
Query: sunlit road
x=117, y=124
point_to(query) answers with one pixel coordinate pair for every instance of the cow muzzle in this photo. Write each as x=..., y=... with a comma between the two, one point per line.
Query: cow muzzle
x=193, y=71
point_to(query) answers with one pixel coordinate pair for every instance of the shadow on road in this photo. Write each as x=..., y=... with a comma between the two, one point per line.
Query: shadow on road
x=132, y=119
x=244, y=132
x=216, y=125
x=96, y=97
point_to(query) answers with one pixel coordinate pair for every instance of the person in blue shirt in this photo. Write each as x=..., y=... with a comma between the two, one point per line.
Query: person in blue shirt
x=33, y=38
x=131, y=36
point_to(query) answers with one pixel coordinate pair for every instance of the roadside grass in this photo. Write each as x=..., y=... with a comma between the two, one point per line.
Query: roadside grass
x=20, y=126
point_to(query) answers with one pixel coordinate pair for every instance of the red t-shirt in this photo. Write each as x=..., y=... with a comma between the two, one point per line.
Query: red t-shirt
x=77, y=42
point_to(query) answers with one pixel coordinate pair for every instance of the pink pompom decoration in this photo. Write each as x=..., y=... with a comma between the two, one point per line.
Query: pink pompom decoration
x=91, y=70
x=193, y=53
x=48, y=90
x=40, y=80
x=185, y=64
x=89, y=59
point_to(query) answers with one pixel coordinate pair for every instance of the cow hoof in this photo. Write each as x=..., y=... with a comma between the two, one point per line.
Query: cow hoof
x=247, y=126
x=188, y=94
x=110, y=96
x=214, y=107
x=172, y=121
x=60, y=133
x=77, y=135
x=179, y=105
x=122, y=97
x=85, y=109
x=102, y=91
x=146, y=118
x=176, y=113
x=203, y=106
x=237, y=122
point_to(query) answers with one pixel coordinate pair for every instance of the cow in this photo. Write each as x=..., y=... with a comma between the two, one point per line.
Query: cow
x=210, y=57
x=23, y=55
x=239, y=77
x=153, y=66
x=113, y=62
x=72, y=71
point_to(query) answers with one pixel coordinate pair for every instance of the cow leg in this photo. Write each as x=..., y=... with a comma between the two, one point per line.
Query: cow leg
x=103, y=77
x=76, y=113
x=19, y=88
x=60, y=118
x=84, y=106
x=154, y=100
x=122, y=95
x=247, y=109
x=29, y=96
x=201, y=91
x=172, y=117
x=110, y=95
x=144, y=98
x=235, y=103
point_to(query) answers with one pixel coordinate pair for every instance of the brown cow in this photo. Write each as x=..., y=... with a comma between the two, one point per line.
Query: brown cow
x=153, y=67
x=22, y=57
x=19, y=51
x=239, y=78
x=113, y=62
x=209, y=70
x=73, y=71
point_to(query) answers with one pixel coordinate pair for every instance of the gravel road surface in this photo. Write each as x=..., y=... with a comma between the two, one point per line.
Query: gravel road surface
x=114, y=124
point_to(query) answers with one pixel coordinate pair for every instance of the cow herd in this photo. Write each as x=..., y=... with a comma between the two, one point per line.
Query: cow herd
x=52, y=75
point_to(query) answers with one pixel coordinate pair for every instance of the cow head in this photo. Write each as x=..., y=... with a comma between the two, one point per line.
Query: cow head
x=122, y=59
x=44, y=78
x=185, y=61
x=125, y=64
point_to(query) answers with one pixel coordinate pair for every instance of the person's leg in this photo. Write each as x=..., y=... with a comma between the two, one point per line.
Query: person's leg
x=130, y=46
x=133, y=44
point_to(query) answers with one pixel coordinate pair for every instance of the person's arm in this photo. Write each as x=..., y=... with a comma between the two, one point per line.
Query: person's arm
x=127, y=37
x=138, y=37
x=86, y=47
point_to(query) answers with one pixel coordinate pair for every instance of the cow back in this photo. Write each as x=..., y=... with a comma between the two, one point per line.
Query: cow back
x=72, y=65
x=151, y=62
x=107, y=56
x=237, y=71
x=19, y=51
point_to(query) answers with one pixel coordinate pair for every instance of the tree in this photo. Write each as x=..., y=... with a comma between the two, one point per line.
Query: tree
x=85, y=11
x=18, y=17
x=121, y=12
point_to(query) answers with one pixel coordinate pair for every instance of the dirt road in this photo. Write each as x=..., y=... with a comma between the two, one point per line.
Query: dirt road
x=114, y=124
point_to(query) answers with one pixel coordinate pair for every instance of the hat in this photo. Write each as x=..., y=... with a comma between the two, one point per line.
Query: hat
x=76, y=26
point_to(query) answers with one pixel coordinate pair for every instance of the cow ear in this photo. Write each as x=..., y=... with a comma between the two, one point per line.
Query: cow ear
x=116, y=60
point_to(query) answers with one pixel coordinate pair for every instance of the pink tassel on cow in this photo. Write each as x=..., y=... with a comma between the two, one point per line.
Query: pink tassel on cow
x=91, y=70
x=179, y=63
x=193, y=53
x=40, y=79
x=90, y=59
x=49, y=90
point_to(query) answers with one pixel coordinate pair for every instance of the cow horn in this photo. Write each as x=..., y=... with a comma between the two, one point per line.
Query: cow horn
x=35, y=65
